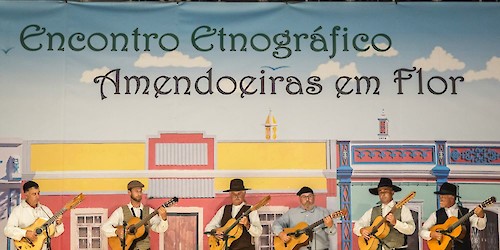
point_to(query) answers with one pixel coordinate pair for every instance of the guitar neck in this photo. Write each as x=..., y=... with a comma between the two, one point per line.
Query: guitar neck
x=55, y=216
x=461, y=220
x=151, y=215
x=332, y=215
x=246, y=213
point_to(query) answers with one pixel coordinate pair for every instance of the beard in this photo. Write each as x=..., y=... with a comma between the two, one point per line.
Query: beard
x=137, y=199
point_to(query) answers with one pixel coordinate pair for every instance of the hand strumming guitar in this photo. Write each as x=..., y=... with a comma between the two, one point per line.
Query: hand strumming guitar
x=284, y=237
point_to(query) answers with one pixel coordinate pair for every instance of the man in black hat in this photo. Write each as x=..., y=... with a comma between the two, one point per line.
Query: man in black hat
x=448, y=207
x=309, y=213
x=400, y=222
x=251, y=224
x=135, y=208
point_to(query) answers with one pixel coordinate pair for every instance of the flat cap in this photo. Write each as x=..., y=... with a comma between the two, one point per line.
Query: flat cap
x=305, y=190
x=134, y=184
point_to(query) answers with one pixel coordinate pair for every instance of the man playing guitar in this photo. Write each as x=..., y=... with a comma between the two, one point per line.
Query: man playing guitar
x=400, y=222
x=307, y=212
x=135, y=208
x=447, y=196
x=250, y=225
x=27, y=213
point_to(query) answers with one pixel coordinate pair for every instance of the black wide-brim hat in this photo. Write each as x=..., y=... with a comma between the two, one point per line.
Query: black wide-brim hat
x=384, y=182
x=448, y=188
x=236, y=185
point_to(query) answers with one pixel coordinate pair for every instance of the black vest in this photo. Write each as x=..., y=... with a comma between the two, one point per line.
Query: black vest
x=245, y=240
x=442, y=217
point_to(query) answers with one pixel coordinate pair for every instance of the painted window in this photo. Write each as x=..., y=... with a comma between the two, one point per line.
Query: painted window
x=267, y=216
x=86, y=229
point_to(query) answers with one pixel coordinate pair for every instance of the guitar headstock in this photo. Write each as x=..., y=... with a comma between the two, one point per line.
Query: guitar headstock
x=170, y=202
x=488, y=202
x=261, y=203
x=406, y=199
x=73, y=203
x=339, y=213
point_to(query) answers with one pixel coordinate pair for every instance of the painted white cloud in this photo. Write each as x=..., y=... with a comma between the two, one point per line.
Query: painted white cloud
x=372, y=52
x=171, y=59
x=492, y=71
x=333, y=68
x=440, y=60
x=89, y=75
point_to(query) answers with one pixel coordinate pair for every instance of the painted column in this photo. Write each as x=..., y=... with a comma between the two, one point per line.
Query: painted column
x=441, y=170
x=344, y=174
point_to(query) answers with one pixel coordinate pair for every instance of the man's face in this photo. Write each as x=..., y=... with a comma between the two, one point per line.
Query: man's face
x=446, y=200
x=237, y=197
x=32, y=196
x=135, y=194
x=385, y=194
x=307, y=201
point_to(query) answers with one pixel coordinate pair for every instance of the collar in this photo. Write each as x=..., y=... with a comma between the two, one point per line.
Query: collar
x=390, y=204
x=130, y=205
x=302, y=210
x=452, y=208
x=239, y=206
x=25, y=204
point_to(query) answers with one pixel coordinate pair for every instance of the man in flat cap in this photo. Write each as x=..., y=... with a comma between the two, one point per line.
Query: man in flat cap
x=400, y=222
x=448, y=207
x=135, y=208
x=309, y=213
x=251, y=224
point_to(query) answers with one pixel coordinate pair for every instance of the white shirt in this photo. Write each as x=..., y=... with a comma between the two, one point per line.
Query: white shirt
x=23, y=216
x=116, y=219
x=405, y=226
x=475, y=221
x=255, y=229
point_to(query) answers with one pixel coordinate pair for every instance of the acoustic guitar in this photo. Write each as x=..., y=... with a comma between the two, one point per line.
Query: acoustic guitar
x=232, y=229
x=452, y=228
x=379, y=228
x=299, y=235
x=135, y=228
x=40, y=227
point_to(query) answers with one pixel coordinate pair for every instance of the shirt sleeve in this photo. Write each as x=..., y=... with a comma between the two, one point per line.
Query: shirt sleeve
x=157, y=223
x=430, y=222
x=477, y=222
x=406, y=225
x=12, y=229
x=215, y=222
x=281, y=223
x=364, y=221
x=255, y=227
x=113, y=221
x=330, y=230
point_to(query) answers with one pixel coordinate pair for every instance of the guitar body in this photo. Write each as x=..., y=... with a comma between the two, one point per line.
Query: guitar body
x=371, y=244
x=445, y=243
x=382, y=232
x=295, y=242
x=235, y=233
x=24, y=243
x=116, y=243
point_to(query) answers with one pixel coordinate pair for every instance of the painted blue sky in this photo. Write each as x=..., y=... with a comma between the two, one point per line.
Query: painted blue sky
x=50, y=95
